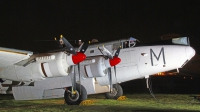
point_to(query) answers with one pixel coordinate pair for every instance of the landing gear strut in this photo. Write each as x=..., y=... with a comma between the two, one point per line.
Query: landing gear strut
x=116, y=93
x=77, y=97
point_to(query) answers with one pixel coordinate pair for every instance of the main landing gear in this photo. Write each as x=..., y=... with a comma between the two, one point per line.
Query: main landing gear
x=116, y=93
x=76, y=98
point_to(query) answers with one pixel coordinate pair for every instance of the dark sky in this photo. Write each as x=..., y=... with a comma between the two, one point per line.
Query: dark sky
x=27, y=20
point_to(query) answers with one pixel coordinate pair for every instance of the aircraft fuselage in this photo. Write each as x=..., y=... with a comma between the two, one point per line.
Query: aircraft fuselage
x=137, y=62
x=52, y=74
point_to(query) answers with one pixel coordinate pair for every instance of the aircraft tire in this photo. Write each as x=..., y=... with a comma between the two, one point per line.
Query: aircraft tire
x=77, y=98
x=117, y=92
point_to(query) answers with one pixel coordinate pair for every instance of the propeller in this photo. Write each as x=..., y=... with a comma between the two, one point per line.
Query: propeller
x=68, y=47
x=77, y=57
x=113, y=60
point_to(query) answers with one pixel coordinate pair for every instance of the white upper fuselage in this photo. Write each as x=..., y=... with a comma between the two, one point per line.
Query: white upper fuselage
x=142, y=61
x=136, y=62
x=50, y=71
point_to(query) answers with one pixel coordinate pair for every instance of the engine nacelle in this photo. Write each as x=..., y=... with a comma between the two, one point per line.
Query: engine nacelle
x=94, y=67
x=51, y=65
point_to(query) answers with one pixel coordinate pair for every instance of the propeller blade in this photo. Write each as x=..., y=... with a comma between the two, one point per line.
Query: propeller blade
x=107, y=52
x=57, y=42
x=104, y=50
x=69, y=47
x=117, y=52
x=79, y=49
x=83, y=47
x=110, y=78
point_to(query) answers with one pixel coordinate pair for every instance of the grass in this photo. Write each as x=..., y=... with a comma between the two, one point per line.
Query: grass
x=135, y=102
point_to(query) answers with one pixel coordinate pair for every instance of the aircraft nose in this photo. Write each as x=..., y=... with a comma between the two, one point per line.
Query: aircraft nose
x=190, y=52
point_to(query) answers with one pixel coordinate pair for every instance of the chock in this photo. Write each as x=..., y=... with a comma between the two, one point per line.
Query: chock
x=87, y=102
x=122, y=98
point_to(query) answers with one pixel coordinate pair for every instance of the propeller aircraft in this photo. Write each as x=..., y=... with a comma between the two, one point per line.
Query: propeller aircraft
x=91, y=69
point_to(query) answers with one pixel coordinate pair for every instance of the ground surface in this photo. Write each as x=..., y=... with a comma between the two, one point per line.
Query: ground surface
x=134, y=102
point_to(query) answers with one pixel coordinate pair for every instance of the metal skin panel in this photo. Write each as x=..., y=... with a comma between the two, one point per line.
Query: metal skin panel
x=162, y=58
x=4, y=87
x=8, y=73
x=37, y=71
x=53, y=93
x=60, y=66
x=47, y=70
x=152, y=59
x=27, y=93
x=137, y=62
x=55, y=82
x=48, y=88
x=20, y=73
x=89, y=84
x=31, y=93
x=97, y=68
x=93, y=51
x=10, y=56
x=88, y=71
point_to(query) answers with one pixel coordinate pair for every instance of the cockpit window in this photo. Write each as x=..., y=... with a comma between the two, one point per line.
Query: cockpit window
x=126, y=44
x=131, y=42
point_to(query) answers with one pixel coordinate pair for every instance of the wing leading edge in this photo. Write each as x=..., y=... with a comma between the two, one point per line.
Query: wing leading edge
x=10, y=56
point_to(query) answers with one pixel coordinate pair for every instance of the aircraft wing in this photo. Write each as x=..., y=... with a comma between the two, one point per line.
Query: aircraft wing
x=10, y=56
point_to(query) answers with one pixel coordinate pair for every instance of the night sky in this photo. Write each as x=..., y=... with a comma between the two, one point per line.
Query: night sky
x=22, y=21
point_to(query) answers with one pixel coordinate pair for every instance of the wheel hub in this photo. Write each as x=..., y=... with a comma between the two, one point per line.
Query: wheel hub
x=74, y=97
x=113, y=92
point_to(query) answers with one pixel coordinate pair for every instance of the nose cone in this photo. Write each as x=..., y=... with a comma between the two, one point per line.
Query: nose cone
x=79, y=57
x=190, y=52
